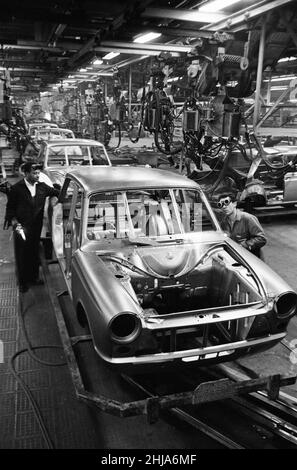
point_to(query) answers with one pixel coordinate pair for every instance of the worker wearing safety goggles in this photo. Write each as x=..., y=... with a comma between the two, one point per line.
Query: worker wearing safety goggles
x=242, y=227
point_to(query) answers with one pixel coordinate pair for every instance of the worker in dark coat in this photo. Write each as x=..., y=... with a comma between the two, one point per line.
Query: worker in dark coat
x=242, y=227
x=24, y=212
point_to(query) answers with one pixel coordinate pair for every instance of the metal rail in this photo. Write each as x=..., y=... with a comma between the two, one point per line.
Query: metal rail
x=272, y=422
x=278, y=415
x=276, y=424
x=191, y=420
x=284, y=404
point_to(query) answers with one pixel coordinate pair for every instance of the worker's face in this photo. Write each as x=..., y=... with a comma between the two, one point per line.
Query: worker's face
x=226, y=205
x=33, y=176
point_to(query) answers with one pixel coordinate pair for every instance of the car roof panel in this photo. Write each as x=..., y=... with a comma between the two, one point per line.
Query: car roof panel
x=74, y=141
x=108, y=178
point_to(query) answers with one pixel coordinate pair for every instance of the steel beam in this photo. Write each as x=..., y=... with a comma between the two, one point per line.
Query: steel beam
x=275, y=105
x=146, y=47
x=246, y=14
x=182, y=14
x=277, y=131
x=25, y=69
x=71, y=46
x=124, y=63
x=130, y=93
x=186, y=32
x=130, y=51
x=259, y=74
x=33, y=48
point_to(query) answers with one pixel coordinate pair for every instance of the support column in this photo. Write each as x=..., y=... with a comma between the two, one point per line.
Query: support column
x=130, y=93
x=259, y=74
x=268, y=93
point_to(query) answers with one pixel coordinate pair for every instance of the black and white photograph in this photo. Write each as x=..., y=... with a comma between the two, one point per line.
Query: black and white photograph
x=148, y=227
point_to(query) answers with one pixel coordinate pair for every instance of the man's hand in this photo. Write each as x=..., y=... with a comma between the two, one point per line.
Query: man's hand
x=53, y=201
x=20, y=231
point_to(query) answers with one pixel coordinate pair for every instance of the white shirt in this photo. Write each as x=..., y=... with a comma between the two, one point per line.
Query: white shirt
x=31, y=187
x=43, y=178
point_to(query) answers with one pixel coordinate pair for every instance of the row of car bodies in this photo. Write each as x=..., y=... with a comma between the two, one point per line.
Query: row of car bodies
x=39, y=132
x=57, y=157
x=149, y=270
x=153, y=276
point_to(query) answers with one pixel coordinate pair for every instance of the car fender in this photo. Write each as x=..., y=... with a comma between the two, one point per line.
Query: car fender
x=271, y=281
x=101, y=294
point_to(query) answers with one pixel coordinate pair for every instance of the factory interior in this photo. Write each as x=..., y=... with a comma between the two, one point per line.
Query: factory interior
x=148, y=212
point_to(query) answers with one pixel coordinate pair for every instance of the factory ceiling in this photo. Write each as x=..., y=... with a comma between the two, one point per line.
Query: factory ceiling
x=43, y=43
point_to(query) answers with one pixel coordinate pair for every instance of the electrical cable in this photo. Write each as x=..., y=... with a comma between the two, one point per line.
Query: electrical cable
x=30, y=396
x=158, y=129
x=30, y=350
x=22, y=312
x=209, y=173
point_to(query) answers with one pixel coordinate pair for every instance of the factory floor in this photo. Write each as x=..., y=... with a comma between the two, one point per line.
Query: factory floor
x=70, y=423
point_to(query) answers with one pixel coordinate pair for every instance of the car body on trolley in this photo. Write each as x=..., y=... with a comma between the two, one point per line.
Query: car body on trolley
x=59, y=156
x=52, y=133
x=35, y=125
x=153, y=276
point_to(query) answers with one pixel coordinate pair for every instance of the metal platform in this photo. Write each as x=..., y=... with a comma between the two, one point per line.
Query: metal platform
x=278, y=209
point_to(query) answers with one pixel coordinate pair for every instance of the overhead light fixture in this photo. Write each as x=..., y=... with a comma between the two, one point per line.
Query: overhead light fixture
x=97, y=62
x=173, y=79
x=281, y=78
x=146, y=37
x=82, y=70
x=278, y=88
x=286, y=59
x=217, y=5
x=111, y=55
x=104, y=74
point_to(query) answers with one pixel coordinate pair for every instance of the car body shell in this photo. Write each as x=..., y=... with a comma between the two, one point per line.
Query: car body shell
x=35, y=126
x=234, y=293
x=52, y=133
x=56, y=172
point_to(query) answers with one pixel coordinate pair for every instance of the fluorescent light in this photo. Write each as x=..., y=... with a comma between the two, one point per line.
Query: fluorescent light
x=82, y=70
x=104, y=74
x=217, y=5
x=97, y=62
x=286, y=59
x=110, y=55
x=275, y=88
x=281, y=78
x=173, y=79
x=146, y=37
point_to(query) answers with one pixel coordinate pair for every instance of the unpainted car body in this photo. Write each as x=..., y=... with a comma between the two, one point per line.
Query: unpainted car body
x=61, y=155
x=152, y=274
x=35, y=126
x=53, y=133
